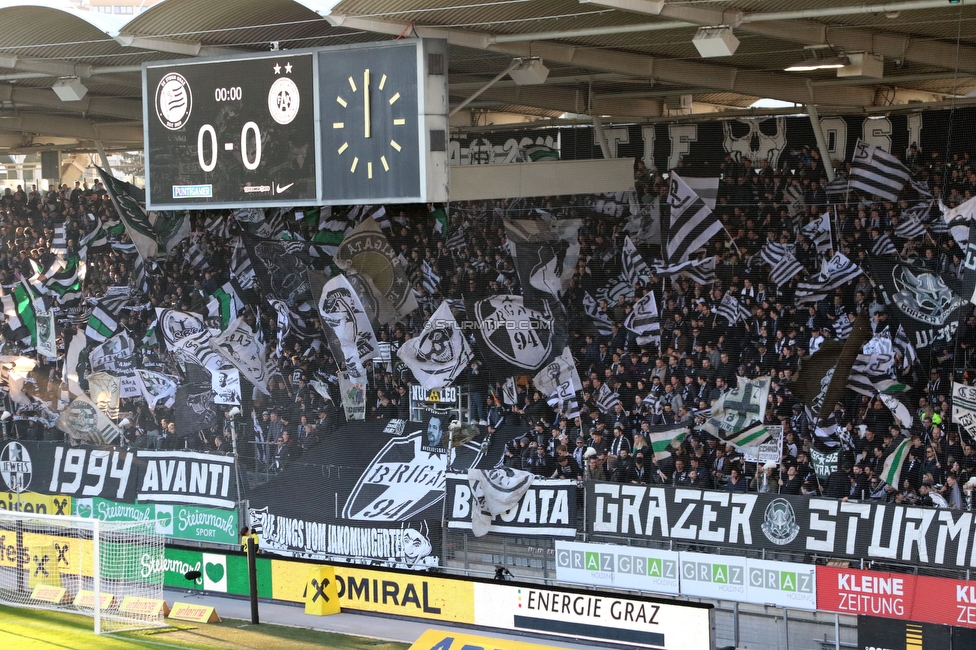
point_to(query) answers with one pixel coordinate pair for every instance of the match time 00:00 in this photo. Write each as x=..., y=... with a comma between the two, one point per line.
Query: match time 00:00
x=227, y=94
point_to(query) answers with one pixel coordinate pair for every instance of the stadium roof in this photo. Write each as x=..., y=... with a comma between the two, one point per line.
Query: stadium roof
x=625, y=60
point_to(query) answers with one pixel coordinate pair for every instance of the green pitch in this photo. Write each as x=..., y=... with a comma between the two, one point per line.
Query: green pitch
x=26, y=628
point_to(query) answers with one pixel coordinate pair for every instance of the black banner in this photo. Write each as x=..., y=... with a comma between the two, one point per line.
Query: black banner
x=701, y=146
x=878, y=633
x=382, y=506
x=548, y=509
x=828, y=527
x=177, y=477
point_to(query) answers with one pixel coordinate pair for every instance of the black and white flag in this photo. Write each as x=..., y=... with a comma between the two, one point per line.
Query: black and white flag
x=883, y=245
x=513, y=338
x=835, y=272
x=691, y=224
x=187, y=337
x=430, y=279
x=600, y=320
x=545, y=255
x=964, y=407
x=773, y=252
x=959, y=219
x=84, y=422
x=242, y=348
x=738, y=408
x=155, y=387
x=349, y=334
x=793, y=198
x=194, y=404
x=909, y=226
x=634, y=267
x=731, y=309
x=644, y=321
x=606, y=399
x=559, y=381
x=226, y=386
x=842, y=326
x=440, y=353
x=877, y=172
x=280, y=274
x=786, y=269
x=818, y=231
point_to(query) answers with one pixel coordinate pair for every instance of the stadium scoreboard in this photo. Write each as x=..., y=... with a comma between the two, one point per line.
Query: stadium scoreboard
x=349, y=124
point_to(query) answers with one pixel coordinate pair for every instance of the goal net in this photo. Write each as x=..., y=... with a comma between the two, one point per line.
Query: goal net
x=71, y=563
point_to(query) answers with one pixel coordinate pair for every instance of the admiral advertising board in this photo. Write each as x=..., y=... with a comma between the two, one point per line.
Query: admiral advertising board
x=940, y=538
x=547, y=509
x=746, y=580
x=162, y=477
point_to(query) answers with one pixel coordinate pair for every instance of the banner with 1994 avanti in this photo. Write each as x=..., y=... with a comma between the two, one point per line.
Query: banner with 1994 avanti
x=126, y=476
x=778, y=523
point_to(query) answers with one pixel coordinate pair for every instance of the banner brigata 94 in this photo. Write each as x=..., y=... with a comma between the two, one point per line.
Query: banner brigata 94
x=356, y=123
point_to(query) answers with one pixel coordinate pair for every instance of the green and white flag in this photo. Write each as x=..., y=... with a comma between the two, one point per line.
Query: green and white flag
x=891, y=472
x=153, y=234
x=155, y=387
x=898, y=409
x=225, y=304
x=662, y=439
x=103, y=323
x=84, y=422
x=21, y=325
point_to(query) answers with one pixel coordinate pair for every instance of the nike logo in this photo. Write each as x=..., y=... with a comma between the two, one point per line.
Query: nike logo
x=281, y=188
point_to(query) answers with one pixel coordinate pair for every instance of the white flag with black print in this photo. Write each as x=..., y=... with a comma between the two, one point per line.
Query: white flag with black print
x=909, y=226
x=559, y=381
x=883, y=245
x=226, y=386
x=958, y=220
x=155, y=387
x=440, y=353
x=243, y=349
x=634, y=267
x=773, y=252
x=818, y=231
x=644, y=321
x=964, y=407
x=731, y=309
x=738, y=408
x=606, y=399
x=188, y=337
x=698, y=271
x=877, y=172
x=431, y=279
x=786, y=269
x=348, y=332
x=600, y=320
x=691, y=224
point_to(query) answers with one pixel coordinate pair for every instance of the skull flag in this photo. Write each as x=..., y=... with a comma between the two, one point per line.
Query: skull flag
x=920, y=301
x=440, y=353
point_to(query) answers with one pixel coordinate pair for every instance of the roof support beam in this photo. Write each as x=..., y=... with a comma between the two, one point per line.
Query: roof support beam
x=72, y=127
x=756, y=83
x=790, y=26
x=172, y=46
x=569, y=100
x=89, y=104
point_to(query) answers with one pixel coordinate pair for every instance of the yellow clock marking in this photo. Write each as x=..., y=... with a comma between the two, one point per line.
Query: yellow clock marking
x=338, y=125
x=345, y=145
x=394, y=98
x=341, y=101
x=355, y=161
x=393, y=143
x=386, y=167
x=399, y=121
x=366, y=100
x=382, y=81
x=369, y=170
x=352, y=84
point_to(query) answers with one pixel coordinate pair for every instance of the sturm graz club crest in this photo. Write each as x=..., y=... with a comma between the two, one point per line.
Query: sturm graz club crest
x=516, y=334
x=15, y=467
x=174, y=101
x=779, y=522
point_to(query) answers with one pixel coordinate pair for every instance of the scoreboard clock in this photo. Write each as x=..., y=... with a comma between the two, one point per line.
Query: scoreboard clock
x=384, y=121
x=231, y=133
x=349, y=124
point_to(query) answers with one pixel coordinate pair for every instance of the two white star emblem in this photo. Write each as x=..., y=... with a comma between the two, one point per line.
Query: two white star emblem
x=277, y=68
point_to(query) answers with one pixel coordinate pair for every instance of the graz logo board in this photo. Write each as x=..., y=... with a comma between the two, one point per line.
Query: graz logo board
x=547, y=509
x=621, y=567
x=15, y=467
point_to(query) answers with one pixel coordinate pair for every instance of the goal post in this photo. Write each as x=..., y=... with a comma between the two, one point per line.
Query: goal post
x=109, y=570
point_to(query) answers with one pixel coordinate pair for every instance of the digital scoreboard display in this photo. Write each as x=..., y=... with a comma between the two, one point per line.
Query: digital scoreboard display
x=360, y=123
x=235, y=132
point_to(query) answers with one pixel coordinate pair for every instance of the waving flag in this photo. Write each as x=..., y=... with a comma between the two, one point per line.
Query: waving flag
x=691, y=225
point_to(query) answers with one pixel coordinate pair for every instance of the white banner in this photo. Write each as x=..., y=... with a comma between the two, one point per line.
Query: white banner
x=620, y=567
x=226, y=385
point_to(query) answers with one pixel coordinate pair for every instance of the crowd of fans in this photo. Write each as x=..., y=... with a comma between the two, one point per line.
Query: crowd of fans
x=699, y=358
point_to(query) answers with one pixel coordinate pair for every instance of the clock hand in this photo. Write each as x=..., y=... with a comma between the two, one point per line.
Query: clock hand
x=366, y=98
